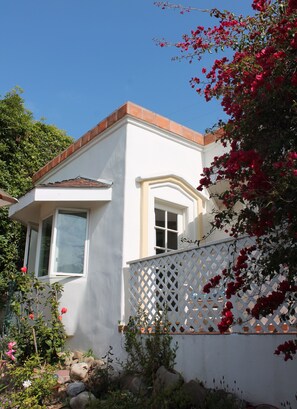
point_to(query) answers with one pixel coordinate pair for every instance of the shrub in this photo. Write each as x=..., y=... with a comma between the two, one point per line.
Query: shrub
x=118, y=400
x=100, y=380
x=35, y=323
x=148, y=345
x=29, y=385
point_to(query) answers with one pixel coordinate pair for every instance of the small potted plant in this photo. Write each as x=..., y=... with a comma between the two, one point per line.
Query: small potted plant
x=120, y=326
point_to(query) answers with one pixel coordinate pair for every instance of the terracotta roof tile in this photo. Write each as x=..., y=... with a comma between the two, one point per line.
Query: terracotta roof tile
x=78, y=182
x=134, y=111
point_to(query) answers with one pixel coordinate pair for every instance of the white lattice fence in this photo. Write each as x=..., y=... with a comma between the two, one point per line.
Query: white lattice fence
x=175, y=281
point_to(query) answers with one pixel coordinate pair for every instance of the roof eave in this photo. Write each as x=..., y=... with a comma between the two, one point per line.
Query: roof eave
x=39, y=195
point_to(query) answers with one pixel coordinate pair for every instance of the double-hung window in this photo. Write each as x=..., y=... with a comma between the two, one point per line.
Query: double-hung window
x=168, y=226
x=63, y=238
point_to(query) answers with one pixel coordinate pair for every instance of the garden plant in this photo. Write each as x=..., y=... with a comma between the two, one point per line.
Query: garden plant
x=33, y=339
x=254, y=76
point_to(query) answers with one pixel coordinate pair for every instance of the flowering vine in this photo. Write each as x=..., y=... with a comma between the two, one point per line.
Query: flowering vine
x=256, y=83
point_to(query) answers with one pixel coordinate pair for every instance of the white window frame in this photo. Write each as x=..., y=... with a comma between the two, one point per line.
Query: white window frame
x=51, y=272
x=181, y=216
x=31, y=227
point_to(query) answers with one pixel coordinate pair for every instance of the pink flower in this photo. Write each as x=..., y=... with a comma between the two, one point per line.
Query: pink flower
x=24, y=270
x=31, y=316
x=11, y=344
x=11, y=351
x=64, y=310
x=10, y=354
x=60, y=317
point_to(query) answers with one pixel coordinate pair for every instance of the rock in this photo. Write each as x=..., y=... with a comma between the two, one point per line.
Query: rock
x=99, y=363
x=264, y=406
x=66, y=357
x=78, y=355
x=133, y=384
x=82, y=400
x=196, y=394
x=73, y=389
x=59, y=394
x=63, y=376
x=167, y=379
x=79, y=371
x=89, y=360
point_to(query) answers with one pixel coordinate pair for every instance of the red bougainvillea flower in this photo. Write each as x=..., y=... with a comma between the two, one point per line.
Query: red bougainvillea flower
x=289, y=349
x=64, y=310
x=24, y=269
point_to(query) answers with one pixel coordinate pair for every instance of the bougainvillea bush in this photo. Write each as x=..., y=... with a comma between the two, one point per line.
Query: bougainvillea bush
x=256, y=80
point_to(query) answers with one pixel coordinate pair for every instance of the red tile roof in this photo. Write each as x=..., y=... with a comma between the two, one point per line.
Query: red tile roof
x=77, y=182
x=134, y=111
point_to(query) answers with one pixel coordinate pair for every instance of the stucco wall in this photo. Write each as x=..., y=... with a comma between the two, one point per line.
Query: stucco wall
x=243, y=364
x=247, y=360
x=94, y=301
x=150, y=153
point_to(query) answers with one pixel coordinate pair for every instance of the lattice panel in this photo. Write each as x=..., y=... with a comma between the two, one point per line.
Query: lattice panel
x=175, y=281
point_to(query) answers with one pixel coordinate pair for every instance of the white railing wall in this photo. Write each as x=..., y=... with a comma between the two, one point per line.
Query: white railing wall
x=242, y=361
x=175, y=281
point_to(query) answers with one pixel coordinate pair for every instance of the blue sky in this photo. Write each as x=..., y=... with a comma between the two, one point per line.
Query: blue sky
x=79, y=60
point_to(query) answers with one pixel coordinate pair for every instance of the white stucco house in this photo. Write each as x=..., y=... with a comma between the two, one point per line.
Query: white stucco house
x=124, y=190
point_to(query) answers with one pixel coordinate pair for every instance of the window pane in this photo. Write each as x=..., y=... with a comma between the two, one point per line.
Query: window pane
x=70, y=242
x=32, y=249
x=160, y=217
x=46, y=235
x=171, y=240
x=172, y=221
x=160, y=238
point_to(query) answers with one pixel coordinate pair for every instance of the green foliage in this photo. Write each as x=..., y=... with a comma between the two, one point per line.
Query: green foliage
x=25, y=146
x=100, y=379
x=148, y=345
x=88, y=353
x=219, y=399
x=171, y=398
x=4, y=340
x=29, y=385
x=36, y=325
x=118, y=400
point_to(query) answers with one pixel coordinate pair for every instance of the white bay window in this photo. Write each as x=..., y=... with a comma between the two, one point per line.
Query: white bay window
x=62, y=243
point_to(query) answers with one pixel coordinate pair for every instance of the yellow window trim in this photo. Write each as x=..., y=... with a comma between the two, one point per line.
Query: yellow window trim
x=146, y=184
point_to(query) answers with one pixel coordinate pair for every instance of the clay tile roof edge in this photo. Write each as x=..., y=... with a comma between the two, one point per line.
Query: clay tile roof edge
x=133, y=110
x=78, y=182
